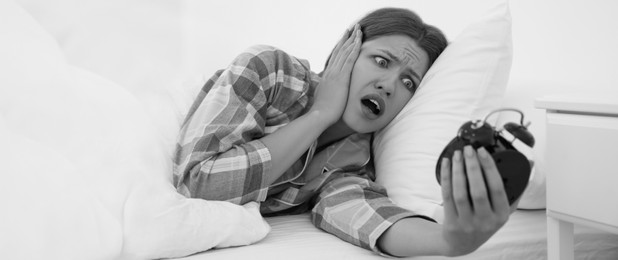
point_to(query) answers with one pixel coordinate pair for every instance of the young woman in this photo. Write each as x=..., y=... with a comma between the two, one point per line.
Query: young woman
x=268, y=129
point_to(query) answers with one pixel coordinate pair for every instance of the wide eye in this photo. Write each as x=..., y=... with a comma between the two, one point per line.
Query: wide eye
x=408, y=83
x=381, y=61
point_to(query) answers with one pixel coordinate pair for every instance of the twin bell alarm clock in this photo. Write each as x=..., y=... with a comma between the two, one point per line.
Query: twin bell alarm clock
x=513, y=166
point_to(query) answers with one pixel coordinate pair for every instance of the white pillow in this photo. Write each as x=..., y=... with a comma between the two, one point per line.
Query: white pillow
x=87, y=170
x=466, y=82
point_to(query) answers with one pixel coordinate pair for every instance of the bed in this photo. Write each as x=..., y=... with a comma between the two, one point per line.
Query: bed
x=90, y=105
x=523, y=237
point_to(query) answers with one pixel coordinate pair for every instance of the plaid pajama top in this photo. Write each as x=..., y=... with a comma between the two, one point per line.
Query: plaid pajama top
x=219, y=155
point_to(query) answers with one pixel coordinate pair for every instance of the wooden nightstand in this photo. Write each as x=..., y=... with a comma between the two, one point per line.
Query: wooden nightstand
x=582, y=167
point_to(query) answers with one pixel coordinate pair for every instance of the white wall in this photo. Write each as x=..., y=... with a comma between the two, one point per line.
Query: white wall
x=219, y=30
x=558, y=45
x=135, y=43
x=570, y=43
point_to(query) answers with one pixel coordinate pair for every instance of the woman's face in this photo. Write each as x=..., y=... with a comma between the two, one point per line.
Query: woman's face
x=386, y=74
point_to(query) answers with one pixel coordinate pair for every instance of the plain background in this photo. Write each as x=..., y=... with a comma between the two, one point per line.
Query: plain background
x=559, y=45
x=570, y=45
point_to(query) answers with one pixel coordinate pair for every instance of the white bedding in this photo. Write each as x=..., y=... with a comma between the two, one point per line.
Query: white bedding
x=85, y=169
x=523, y=237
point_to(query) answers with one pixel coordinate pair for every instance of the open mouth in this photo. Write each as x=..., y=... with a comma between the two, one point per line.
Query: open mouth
x=374, y=103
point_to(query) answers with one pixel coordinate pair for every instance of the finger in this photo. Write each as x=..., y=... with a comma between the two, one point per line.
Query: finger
x=447, y=188
x=476, y=182
x=460, y=186
x=344, y=38
x=345, y=49
x=354, y=52
x=497, y=195
x=340, y=46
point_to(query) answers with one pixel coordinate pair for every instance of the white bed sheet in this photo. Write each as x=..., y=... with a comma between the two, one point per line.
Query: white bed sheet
x=523, y=237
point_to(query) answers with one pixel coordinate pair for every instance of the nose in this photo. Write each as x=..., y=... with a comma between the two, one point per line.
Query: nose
x=387, y=84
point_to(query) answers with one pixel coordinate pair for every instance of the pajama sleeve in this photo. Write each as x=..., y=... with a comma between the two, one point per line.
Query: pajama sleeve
x=357, y=210
x=219, y=155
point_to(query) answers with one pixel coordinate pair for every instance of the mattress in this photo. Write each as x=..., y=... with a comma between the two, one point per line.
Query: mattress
x=523, y=237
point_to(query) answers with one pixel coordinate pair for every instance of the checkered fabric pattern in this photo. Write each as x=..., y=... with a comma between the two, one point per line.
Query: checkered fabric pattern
x=219, y=154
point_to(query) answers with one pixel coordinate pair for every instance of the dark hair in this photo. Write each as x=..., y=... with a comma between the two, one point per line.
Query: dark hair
x=400, y=21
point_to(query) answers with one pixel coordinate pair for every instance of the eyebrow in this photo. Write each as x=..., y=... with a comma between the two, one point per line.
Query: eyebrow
x=397, y=59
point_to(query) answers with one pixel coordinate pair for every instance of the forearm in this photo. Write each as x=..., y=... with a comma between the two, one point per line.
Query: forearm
x=288, y=143
x=414, y=237
x=475, y=208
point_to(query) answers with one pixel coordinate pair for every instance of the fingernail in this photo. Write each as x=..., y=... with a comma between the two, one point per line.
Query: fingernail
x=482, y=152
x=468, y=150
x=457, y=156
x=445, y=162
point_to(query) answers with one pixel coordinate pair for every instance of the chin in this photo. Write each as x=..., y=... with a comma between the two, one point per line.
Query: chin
x=360, y=125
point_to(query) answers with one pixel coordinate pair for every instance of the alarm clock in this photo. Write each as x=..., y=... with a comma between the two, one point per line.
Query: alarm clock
x=514, y=166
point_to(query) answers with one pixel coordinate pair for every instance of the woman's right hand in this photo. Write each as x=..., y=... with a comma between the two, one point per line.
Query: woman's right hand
x=332, y=93
x=475, y=202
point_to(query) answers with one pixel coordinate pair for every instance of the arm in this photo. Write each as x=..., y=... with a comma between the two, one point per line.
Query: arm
x=413, y=237
x=357, y=210
x=288, y=143
x=472, y=215
x=223, y=152
x=220, y=153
